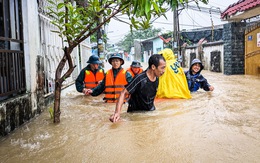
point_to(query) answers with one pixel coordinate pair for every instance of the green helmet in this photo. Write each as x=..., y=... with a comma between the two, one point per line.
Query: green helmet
x=116, y=56
x=94, y=59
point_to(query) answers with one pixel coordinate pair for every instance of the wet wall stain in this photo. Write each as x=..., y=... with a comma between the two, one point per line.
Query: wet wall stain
x=2, y=122
x=40, y=84
x=14, y=113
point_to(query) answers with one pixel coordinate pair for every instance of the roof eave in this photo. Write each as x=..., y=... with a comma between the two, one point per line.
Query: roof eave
x=238, y=16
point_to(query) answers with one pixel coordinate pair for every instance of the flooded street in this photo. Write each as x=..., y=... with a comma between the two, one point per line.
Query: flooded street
x=219, y=126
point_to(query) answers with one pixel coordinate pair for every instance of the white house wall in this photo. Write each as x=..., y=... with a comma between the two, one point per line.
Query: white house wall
x=188, y=51
x=52, y=52
x=85, y=52
x=145, y=57
x=31, y=46
x=81, y=60
x=42, y=53
x=207, y=51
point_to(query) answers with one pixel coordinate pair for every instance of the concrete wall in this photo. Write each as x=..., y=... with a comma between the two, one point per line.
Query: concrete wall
x=187, y=53
x=211, y=47
x=16, y=111
x=234, y=58
x=157, y=45
x=43, y=51
x=231, y=50
x=80, y=57
x=137, y=51
x=31, y=48
x=207, y=48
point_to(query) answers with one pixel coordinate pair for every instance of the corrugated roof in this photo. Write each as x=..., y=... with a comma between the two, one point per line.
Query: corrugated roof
x=240, y=6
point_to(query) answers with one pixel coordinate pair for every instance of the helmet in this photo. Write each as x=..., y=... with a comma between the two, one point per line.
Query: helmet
x=194, y=61
x=136, y=64
x=94, y=59
x=116, y=56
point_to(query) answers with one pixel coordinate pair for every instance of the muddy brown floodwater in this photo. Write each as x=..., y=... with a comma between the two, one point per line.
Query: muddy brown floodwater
x=219, y=126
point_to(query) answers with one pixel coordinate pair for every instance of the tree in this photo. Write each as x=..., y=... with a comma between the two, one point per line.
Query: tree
x=127, y=42
x=77, y=20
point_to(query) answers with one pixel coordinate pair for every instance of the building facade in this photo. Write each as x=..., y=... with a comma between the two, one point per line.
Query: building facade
x=29, y=55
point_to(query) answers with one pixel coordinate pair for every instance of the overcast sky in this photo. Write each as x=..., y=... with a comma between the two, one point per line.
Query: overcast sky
x=188, y=19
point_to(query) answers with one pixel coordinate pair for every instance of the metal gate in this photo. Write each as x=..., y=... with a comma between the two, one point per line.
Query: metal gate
x=252, y=50
x=215, y=61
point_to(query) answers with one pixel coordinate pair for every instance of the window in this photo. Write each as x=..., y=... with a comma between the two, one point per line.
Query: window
x=12, y=68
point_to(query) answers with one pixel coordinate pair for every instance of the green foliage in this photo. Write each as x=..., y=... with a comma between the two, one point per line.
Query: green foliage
x=127, y=42
x=51, y=111
x=93, y=38
x=75, y=22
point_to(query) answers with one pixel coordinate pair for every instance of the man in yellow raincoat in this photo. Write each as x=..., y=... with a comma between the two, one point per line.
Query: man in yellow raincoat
x=173, y=83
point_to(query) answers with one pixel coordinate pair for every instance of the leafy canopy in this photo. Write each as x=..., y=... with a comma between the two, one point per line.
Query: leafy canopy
x=78, y=19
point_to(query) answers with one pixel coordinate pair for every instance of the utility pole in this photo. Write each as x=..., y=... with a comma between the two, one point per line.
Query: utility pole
x=176, y=38
x=100, y=33
x=100, y=47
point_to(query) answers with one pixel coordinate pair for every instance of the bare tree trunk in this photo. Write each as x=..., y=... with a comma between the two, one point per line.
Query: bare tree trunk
x=59, y=80
x=57, y=112
x=57, y=92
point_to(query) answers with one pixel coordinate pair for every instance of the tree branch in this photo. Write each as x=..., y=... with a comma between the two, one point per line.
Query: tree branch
x=66, y=21
x=80, y=39
x=88, y=27
x=71, y=67
x=121, y=20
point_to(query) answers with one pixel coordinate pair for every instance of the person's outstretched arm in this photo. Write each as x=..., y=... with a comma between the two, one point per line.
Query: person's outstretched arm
x=205, y=85
x=97, y=90
x=116, y=116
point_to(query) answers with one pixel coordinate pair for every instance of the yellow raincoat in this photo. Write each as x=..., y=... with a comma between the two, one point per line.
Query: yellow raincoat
x=173, y=83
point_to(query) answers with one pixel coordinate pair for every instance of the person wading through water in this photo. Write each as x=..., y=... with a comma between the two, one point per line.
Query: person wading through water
x=142, y=88
x=90, y=76
x=195, y=79
x=114, y=82
x=135, y=68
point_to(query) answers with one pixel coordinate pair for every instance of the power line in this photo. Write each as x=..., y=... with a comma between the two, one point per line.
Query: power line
x=192, y=18
x=219, y=5
x=188, y=25
x=213, y=9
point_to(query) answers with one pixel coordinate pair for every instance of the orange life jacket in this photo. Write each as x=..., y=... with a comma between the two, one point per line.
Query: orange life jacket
x=113, y=87
x=91, y=80
x=132, y=73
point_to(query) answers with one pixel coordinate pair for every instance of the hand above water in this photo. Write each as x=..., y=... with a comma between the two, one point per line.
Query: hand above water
x=211, y=88
x=87, y=91
x=115, y=117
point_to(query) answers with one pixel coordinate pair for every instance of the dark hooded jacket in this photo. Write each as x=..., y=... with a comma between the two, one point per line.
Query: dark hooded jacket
x=196, y=81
